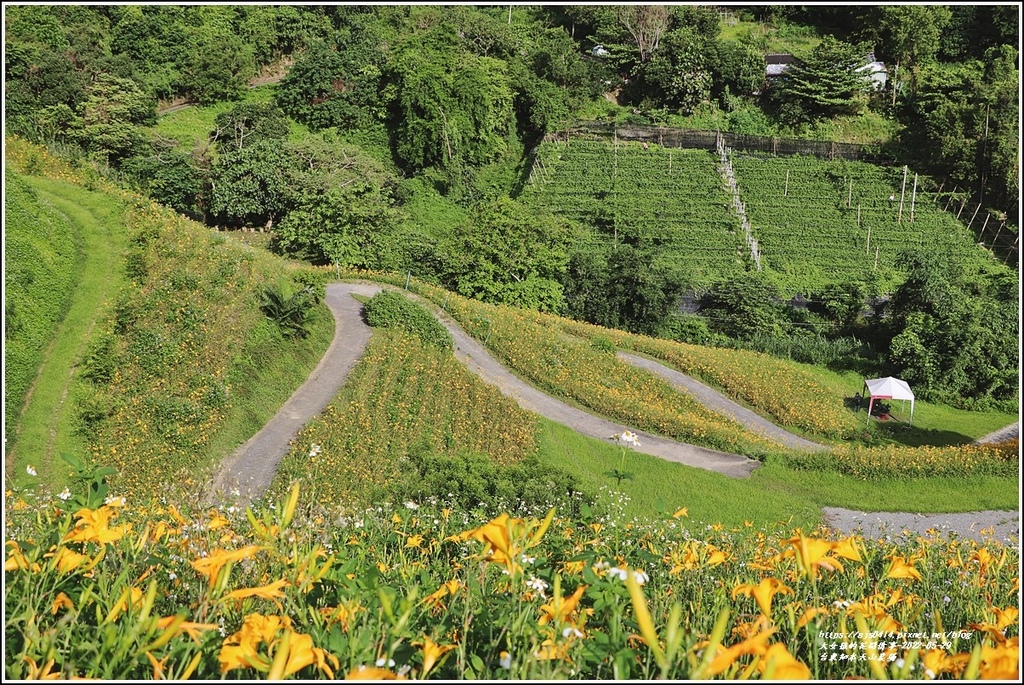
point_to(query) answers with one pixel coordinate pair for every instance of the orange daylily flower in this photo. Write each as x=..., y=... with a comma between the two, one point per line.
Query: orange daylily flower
x=559, y=609
x=763, y=593
x=810, y=615
x=44, y=673
x=130, y=597
x=900, y=568
x=812, y=554
x=302, y=653
x=16, y=560
x=62, y=601
x=431, y=653
x=93, y=525
x=1006, y=617
x=271, y=591
x=752, y=645
x=211, y=565
x=193, y=629
x=938, y=662
x=372, y=673
x=782, y=664
x=505, y=538
x=848, y=548
x=1001, y=662
x=158, y=666
x=67, y=560
x=434, y=598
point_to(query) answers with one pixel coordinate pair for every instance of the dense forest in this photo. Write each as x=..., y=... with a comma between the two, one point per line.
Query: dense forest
x=398, y=138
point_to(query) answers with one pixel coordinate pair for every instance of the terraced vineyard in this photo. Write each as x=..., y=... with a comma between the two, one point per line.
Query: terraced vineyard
x=827, y=221
x=817, y=222
x=671, y=199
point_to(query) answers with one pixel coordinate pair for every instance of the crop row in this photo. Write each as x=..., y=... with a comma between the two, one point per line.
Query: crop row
x=403, y=396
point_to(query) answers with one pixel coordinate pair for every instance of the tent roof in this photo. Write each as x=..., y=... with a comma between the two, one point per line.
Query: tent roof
x=890, y=387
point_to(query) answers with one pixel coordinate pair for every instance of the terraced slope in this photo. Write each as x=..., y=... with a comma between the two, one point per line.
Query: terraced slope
x=664, y=198
x=820, y=222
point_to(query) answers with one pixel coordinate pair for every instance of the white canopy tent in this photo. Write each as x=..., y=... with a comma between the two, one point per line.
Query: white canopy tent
x=889, y=388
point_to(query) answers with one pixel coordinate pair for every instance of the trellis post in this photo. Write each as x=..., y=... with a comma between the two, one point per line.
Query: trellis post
x=785, y=192
x=903, y=192
x=867, y=250
x=971, y=222
x=913, y=198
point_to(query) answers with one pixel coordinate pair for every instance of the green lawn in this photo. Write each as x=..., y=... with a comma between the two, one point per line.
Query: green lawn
x=772, y=493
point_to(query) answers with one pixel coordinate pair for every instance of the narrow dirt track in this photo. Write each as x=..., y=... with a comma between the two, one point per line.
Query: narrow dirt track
x=251, y=468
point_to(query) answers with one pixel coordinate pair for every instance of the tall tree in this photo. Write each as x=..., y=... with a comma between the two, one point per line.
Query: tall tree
x=646, y=24
x=911, y=36
x=826, y=83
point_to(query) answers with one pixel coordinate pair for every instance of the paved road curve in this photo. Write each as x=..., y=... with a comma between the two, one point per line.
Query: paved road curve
x=251, y=468
x=715, y=401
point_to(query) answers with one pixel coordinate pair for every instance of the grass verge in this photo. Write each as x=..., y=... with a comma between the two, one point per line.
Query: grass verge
x=773, y=493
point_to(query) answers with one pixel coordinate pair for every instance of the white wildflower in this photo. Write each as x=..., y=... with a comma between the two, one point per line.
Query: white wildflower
x=505, y=661
x=31, y=470
x=66, y=495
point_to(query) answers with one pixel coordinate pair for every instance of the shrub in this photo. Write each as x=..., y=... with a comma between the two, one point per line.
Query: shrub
x=388, y=309
x=289, y=308
x=474, y=481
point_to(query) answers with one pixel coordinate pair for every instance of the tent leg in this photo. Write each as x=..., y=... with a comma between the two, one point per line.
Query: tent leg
x=870, y=403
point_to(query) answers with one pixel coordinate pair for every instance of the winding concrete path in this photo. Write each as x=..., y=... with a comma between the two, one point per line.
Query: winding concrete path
x=251, y=468
x=715, y=401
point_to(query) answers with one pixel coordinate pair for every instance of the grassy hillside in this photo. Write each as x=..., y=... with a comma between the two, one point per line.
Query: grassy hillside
x=40, y=256
x=50, y=415
x=181, y=364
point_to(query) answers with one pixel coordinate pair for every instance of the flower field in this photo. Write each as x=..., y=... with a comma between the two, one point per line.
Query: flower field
x=574, y=369
x=146, y=589
x=403, y=395
x=561, y=356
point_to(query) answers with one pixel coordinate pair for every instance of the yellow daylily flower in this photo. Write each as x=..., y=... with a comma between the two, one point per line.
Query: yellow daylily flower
x=781, y=665
x=680, y=513
x=414, y=541
x=62, y=601
x=210, y=566
x=431, y=653
x=763, y=593
x=900, y=568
